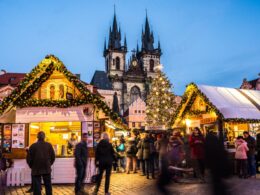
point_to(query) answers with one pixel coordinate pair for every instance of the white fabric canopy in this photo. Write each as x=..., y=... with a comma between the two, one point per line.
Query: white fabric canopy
x=233, y=103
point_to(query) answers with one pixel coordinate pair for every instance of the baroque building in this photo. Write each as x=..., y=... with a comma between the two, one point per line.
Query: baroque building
x=131, y=79
x=252, y=84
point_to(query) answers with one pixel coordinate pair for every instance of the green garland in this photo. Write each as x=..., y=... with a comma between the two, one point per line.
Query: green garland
x=211, y=108
x=21, y=95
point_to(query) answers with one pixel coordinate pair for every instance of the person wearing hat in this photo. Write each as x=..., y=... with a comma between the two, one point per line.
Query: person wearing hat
x=81, y=158
x=40, y=158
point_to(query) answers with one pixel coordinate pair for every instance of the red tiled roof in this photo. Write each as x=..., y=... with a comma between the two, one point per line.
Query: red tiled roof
x=12, y=79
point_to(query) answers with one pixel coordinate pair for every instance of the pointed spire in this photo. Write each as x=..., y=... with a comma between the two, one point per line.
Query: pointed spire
x=147, y=26
x=137, y=48
x=159, y=45
x=105, y=45
x=147, y=37
x=115, y=29
x=125, y=43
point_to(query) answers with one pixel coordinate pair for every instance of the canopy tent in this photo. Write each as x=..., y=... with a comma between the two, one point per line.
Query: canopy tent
x=229, y=104
x=233, y=103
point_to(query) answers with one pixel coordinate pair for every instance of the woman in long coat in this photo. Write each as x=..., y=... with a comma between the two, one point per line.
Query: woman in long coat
x=197, y=144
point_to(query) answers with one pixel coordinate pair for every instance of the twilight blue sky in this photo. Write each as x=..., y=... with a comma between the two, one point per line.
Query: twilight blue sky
x=214, y=42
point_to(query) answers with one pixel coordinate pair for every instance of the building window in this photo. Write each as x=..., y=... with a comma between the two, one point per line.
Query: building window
x=134, y=93
x=133, y=124
x=61, y=92
x=139, y=111
x=151, y=65
x=135, y=111
x=117, y=63
x=52, y=92
x=143, y=111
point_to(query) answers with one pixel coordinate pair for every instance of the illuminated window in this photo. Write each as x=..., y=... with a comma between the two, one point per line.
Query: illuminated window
x=60, y=134
x=52, y=92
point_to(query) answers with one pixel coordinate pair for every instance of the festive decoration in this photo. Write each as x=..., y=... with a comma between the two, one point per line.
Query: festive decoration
x=21, y=96
x=160, y=103
x=188, y=99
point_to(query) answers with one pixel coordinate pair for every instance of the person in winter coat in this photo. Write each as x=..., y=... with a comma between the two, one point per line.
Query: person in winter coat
x=131, y=151
x=121, y=151
x=81, y=157
x=175, y=149
x=197, y=144
x=104, y=158
x=161, y=148
x=146, y=145
x=40, y=158
x=241, y=156
x=251, y=161
x=140, y=152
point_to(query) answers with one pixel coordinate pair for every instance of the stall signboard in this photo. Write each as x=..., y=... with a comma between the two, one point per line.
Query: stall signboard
x=87, y=127
x=97, y=133
x=18, y=135
x=7, y=138
x=154, y=128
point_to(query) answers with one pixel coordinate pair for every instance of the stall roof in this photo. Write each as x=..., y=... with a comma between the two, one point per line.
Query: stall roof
x=230, y=104
x=233, y=103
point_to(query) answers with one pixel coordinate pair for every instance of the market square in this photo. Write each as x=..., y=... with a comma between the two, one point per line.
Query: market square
x=164, y=100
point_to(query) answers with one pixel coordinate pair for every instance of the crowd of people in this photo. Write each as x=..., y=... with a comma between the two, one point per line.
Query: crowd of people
x=149, y=154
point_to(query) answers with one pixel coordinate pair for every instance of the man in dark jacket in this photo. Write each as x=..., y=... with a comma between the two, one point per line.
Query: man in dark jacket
x=104, y=158
x=251, y=144
x=40, y=158
x=81, y=157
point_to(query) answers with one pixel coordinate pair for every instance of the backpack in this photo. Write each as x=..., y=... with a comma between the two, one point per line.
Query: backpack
x=121, y=148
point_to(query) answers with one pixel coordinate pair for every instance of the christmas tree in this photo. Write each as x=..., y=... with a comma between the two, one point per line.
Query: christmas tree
x=160, y=103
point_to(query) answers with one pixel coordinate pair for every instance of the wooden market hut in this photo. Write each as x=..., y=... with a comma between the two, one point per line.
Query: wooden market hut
x=228, y=111
x=52, y=99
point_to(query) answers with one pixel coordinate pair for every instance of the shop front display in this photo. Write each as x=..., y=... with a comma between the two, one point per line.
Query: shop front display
x=53, y=100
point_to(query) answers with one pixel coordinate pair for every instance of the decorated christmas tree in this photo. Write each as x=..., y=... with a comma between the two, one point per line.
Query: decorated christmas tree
x=160, y=103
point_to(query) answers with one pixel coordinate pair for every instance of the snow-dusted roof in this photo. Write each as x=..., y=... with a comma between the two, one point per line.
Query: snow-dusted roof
x=234, y=103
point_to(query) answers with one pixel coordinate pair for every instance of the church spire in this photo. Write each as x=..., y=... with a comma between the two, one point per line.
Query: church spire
x=125, y=43
x=147, y=36
x=105, y=46
x=114, y=34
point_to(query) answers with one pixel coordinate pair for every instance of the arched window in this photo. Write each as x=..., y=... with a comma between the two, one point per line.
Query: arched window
x=117, y=63
x=134, y=93
x=52, y=92
x=151, y=65
x=61, y=91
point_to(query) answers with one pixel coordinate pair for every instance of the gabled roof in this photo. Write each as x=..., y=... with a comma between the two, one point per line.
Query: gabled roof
x=12, y=79
x=229, y=103
x=21, y=96
x=101, y=81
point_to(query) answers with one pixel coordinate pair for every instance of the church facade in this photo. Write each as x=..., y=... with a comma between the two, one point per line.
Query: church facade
x=130, y=79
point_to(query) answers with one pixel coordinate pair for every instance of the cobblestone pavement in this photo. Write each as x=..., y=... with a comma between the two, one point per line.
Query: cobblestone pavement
x=133, y=184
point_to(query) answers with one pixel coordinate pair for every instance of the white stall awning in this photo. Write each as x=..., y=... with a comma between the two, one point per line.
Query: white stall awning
x=234, y=103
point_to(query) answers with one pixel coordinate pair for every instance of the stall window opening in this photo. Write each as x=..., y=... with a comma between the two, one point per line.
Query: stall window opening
x=62, y=135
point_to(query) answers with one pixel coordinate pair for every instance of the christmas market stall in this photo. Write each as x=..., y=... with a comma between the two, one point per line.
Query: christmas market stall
x=226, y=111
x=52, y=99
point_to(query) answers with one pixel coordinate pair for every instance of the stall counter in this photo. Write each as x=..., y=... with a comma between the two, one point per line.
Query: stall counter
x=63, y=170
